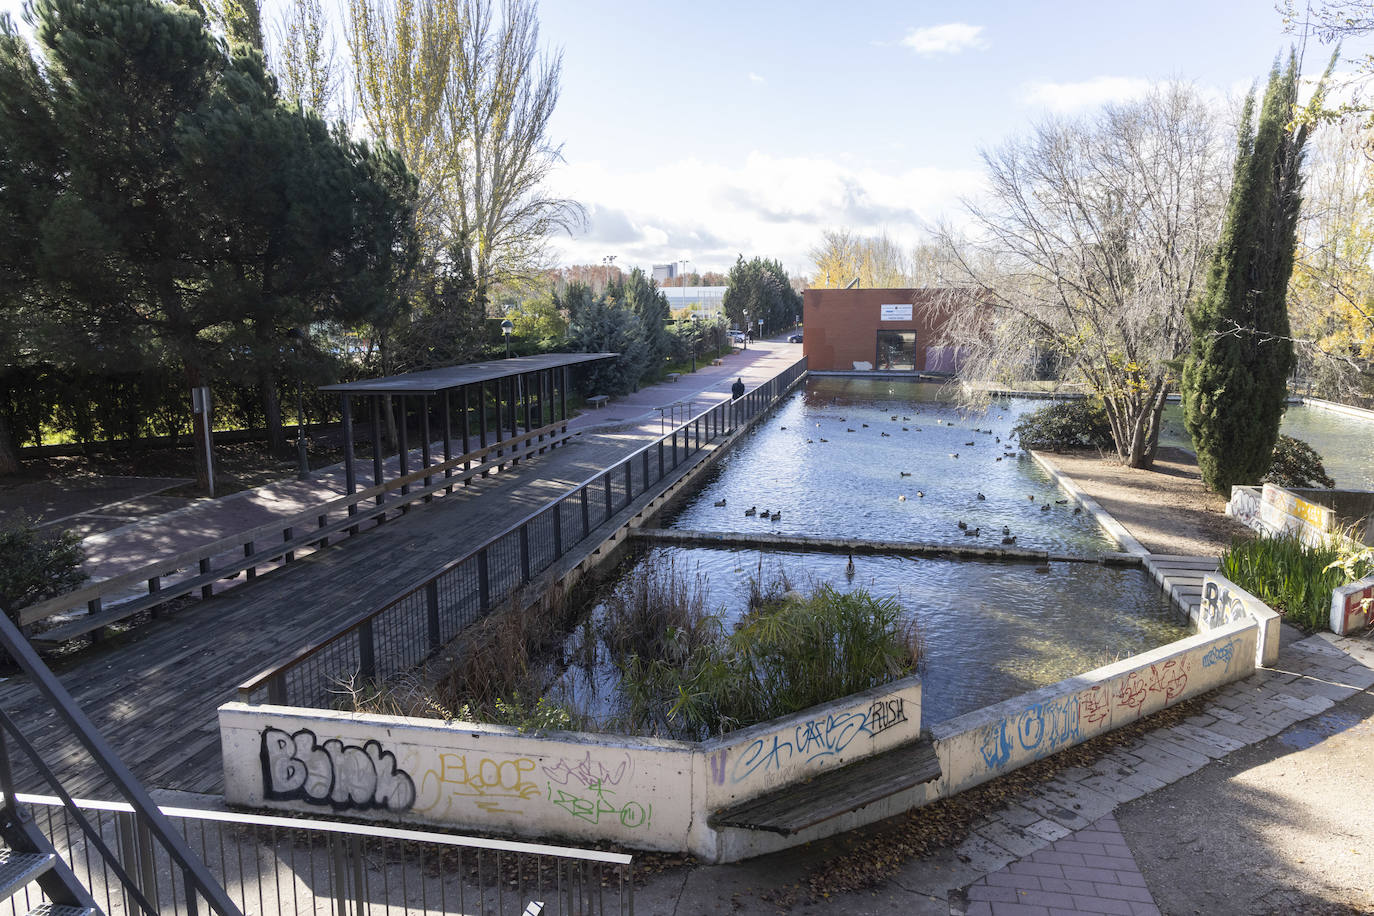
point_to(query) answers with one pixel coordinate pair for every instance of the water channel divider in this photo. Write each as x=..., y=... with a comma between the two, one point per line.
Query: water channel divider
x=774, y=542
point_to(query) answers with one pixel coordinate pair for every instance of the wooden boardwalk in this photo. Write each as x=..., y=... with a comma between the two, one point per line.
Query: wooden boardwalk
x=153, y=691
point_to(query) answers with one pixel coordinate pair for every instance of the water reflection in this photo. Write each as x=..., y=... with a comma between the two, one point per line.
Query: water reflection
x=991, y=630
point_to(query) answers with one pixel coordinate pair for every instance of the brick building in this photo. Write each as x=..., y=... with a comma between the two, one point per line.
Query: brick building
x=890, y=330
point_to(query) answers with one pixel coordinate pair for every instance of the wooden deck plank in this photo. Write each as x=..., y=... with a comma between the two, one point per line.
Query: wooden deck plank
x=832, y=793
x=153, y=691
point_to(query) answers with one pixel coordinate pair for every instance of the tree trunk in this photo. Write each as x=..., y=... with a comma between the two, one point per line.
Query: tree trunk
x=271, y=409
x=9, y=451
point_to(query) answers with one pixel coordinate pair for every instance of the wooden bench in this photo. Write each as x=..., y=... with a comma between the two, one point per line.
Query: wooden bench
x=832, y=793
x=673, y=376
x=598, y=400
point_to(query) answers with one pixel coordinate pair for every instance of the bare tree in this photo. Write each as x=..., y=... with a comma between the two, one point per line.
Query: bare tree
x=1092, y=239
x=843, y=257
x=466, y=95
x=304, y=60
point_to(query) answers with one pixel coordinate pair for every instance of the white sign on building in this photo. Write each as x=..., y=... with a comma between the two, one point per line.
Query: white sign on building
x=896, y=312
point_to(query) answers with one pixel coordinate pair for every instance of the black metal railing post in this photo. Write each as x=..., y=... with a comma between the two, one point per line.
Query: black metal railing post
x=483, y=581
x=432, y=613
x=525, y=552
x=558, y=530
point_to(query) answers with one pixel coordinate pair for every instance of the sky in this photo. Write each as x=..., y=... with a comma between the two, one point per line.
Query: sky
x=699, y=132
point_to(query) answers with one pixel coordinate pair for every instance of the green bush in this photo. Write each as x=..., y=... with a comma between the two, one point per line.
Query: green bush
x=788, y=655
x=35, y=567
x=1297, y=464
x=1291, y=577
x=1065, y=425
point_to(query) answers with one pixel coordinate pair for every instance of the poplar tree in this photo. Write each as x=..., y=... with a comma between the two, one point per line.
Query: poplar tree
x=1235, y=377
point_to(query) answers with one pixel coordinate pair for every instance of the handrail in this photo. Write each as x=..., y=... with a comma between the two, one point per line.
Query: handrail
x=753, y=405
x=362, y=830
x=197, y=877
x=154, y=571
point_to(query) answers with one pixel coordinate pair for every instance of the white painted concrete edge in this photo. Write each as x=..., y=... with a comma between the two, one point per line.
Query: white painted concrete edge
x=1115, y=530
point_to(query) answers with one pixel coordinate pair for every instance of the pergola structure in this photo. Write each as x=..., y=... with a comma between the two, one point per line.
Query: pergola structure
x=529, y=388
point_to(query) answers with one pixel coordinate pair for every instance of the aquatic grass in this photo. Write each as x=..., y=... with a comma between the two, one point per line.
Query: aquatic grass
x=794, y=652
x=1291, y=577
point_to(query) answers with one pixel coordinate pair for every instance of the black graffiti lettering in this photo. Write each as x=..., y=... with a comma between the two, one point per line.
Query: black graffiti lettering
x=298, y=767
x=884, y=714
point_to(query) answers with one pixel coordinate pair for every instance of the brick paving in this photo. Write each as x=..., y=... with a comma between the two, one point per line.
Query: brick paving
x=1090, y=871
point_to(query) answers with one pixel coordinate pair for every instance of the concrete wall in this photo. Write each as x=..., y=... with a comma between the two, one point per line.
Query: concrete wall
x=1352, y=606
x=981, y=745
x=842, y=324
x=644, y=793
x=1223, y=602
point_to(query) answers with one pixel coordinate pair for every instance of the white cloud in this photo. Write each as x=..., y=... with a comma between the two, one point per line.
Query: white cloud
x=950, y=38
x=755, y=78
x=1070, y=97
x=769, y=205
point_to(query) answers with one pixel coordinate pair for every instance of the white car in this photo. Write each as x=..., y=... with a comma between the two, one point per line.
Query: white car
x=736, y=336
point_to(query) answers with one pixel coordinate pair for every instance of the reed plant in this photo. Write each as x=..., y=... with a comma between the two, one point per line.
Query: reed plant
x=1291, y=577
x=792, y=652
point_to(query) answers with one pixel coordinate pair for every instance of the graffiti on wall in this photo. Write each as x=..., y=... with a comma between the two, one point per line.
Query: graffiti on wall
x=1044, y=728
x=816, y=739
x=596, y=800
x=1221, y=654
x=1219, y=605
x=491, y=784
x=297, y=766
x=1244, y=507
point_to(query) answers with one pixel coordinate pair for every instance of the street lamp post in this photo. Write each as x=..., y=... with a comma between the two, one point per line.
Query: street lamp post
x=745, y=335
x=506, y=327
x=696, y=337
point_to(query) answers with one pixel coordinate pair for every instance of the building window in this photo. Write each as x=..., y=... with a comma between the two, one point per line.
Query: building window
x=896, y=351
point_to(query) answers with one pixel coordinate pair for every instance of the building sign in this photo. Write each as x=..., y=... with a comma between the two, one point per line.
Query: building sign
x=896, y=312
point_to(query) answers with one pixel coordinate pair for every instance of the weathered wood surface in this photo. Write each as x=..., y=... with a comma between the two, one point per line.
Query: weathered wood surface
x=835, y=792
x=153, y=692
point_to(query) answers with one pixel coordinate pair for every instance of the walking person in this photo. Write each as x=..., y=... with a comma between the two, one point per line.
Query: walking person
x=736, y=392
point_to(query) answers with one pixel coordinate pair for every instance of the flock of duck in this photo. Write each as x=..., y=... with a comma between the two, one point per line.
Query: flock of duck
x=1009, y=450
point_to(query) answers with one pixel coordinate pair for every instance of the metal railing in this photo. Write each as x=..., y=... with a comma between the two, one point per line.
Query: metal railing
x=401, y=634
x=276, y=865
x=204, y=568
x=191, y=886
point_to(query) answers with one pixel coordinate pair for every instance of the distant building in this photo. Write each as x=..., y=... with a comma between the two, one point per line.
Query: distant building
x=664, y=272
x=706, y=301
x=888, y=330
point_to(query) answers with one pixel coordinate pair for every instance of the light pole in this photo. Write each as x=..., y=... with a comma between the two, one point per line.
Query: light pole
x=683, y=285
x=696, y=337
x=506, y=327
x=745, y=335
x=302, y=459
x=609, y=261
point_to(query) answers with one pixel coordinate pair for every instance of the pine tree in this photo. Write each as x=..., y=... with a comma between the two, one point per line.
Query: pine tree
x=1235, y=377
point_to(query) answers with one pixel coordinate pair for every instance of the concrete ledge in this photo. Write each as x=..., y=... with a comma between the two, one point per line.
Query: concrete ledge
x=1124, y=539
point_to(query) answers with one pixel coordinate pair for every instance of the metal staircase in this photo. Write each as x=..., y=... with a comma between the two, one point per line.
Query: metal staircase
x=33, y=878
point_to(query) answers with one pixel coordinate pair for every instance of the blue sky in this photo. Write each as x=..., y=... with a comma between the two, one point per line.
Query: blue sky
x=701, y=131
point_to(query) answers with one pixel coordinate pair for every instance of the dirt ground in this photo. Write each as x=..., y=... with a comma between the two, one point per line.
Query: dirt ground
x=1167, y=508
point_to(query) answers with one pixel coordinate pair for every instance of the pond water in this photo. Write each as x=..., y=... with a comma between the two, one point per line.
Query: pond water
x=990, y=630
x=833, y=461
x=1345, y=443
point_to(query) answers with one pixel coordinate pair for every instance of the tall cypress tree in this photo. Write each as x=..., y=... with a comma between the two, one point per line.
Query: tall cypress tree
x=1235, y=377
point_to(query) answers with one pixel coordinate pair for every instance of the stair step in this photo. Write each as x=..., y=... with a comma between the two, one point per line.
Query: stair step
x=62, y=909
x=19, y=868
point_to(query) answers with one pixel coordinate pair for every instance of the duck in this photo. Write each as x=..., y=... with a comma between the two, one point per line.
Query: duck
x=906, y=418
x=849, y=430
x=782, y=427
x=903, y=473
x=1006, y=530
x=849, y=568
x=720, y=503
x=905, y=430
x=963, y=525
x=1077, y=510
x=887, y=434
x=901, y=498
x=981, y=497
x=825, y=440
x=1009, y=539
x=1030, y=496
x=999, y=459
x=776, y=516
x=1045, y=507
x=751, y=511
x=954, y=454
x=809, y=441
x=894, y=419
x=1060, y=502
x=972, y=533
x=969, y=442
x=864, y=425
x=920, y=494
